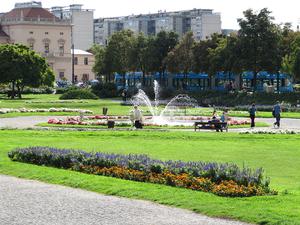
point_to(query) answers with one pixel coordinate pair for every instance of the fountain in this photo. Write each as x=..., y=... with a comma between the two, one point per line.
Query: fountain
x=176, y=106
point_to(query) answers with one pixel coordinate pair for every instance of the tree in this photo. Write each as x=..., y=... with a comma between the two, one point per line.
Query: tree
x=296, y=64
x=21, y=67
x=118, y=52
x=100, y=68
x=142, y=54
x=163, y=44
x=259, y=43
x=180, y=59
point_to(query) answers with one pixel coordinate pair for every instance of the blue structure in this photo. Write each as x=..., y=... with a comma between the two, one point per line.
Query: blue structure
x=193, y=81
x=224, y=81
x=266, y=80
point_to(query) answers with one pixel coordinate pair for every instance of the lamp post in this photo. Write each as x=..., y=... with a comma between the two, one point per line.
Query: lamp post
x=73, y=54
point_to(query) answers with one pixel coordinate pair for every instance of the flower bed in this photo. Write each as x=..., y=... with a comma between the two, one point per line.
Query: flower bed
x=221, y=179
x=57, y=101
x=24, y=110
x=102, y=120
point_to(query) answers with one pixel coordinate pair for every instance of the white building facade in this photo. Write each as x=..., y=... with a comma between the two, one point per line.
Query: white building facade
x=202, y=22
x=82, y=24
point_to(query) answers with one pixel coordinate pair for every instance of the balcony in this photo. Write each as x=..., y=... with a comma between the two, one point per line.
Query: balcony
x=28, y=20
x=50, y=55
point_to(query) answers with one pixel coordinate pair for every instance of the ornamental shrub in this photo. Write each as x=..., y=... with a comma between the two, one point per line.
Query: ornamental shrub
x=78, y=94
x=105, y=90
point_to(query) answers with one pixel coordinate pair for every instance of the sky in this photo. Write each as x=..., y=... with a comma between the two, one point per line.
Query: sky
x=283, y=11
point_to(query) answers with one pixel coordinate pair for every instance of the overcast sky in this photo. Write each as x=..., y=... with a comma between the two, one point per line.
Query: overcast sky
x=283, y=11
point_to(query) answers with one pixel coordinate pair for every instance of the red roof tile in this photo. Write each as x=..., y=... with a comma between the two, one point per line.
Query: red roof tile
x=29, y=13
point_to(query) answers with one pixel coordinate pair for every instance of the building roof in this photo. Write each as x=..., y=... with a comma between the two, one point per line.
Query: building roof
x=80, y=52
x=29, y=13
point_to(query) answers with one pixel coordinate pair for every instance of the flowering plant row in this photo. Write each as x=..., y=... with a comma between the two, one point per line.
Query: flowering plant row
x=102, y=120
x=24, y=110
x=58, y=101
x=223, y=179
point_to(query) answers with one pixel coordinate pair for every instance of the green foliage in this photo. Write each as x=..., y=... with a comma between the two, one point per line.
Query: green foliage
x=78, y=94
x=180, y=59
x=259, y=43
x=106, y=90
x=22, y=67
x=240, y=98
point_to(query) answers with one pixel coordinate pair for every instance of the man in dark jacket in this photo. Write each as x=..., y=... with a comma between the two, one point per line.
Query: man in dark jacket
x=276, y=114
x=252, y=112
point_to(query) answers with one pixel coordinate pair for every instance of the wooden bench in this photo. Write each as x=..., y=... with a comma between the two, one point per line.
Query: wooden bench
x=208, y=125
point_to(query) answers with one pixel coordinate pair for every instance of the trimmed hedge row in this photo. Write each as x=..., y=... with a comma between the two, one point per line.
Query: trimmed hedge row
x=216, y=98
x=78, y=94
x=222, y=179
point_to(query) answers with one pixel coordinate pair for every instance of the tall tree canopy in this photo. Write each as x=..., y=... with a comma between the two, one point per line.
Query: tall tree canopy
x=259, y=43
x=21, y=67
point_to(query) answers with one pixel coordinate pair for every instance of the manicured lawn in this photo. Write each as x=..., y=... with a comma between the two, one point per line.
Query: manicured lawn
x=279, y=155
x=113, y=105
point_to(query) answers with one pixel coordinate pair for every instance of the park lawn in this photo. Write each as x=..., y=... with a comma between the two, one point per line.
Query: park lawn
x=257, y=124
x=113, y=105
x=279, y=155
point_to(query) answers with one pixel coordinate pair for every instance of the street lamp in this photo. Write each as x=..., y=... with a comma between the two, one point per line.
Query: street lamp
x=73, y=54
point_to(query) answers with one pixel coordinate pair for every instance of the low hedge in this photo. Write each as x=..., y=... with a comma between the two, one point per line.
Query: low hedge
x=78, y=94
x=210, y=98
x=221, y=179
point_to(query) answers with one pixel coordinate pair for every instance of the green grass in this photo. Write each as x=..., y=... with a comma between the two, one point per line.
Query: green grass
x=114, y=107
x=279, y=155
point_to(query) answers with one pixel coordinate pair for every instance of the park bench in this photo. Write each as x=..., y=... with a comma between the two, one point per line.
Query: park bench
x=209, y=125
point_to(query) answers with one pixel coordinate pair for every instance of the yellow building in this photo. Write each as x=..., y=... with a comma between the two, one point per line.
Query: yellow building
x=83, y=65
x=48, y=35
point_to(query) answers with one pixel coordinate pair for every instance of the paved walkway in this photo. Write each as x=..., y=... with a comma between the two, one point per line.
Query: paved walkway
x=30, y=122
x=25, y=202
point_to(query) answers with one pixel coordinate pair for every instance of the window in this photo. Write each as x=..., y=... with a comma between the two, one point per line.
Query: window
x=61, y=33
x=31, y=45
x=61, y=50
x=86, y=61
x=61, y=75
x=85, y=77
x=75, y=61
x=47, y=47
x=30, y=32
x=46, y=33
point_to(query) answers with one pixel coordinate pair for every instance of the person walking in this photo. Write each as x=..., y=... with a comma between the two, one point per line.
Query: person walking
x=252, y=112
x=276, y=114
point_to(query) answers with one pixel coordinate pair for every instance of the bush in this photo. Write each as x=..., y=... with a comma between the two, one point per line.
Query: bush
x=210, y=98
x=78, y=94
x=107, y=90
x=221, y=179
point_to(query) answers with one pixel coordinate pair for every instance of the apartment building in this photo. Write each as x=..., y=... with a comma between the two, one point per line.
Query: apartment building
x=202, y=22
x=82, y=24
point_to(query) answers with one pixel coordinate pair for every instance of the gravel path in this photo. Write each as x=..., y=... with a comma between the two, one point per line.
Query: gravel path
x=29, y=202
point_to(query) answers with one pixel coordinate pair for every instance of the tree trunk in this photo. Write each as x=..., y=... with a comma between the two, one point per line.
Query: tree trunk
x=124, y=80
x=278, y=86
x=255, y=81
x=19, y=91
x=13, y=90
x=143, y=79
